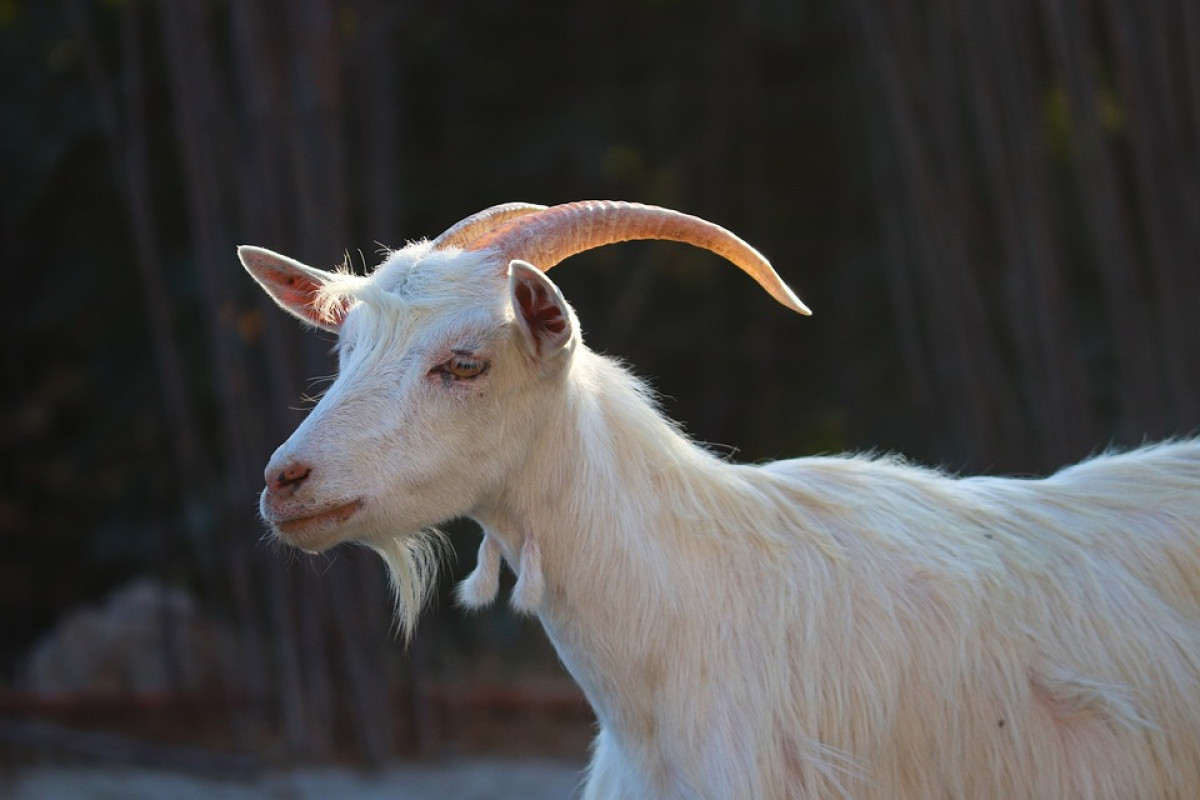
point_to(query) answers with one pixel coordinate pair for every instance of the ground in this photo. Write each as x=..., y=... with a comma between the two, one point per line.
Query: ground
x=460, y=779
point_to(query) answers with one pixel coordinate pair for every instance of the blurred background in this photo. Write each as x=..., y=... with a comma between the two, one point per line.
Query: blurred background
x=993, y=207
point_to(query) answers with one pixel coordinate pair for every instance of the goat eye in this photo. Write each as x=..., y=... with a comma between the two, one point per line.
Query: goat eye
x=463, y=367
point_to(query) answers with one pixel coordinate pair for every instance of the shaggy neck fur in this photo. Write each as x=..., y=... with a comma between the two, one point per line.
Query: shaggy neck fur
x=625, y=589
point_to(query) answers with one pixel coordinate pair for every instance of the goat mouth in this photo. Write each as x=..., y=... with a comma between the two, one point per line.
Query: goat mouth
x=326, y=517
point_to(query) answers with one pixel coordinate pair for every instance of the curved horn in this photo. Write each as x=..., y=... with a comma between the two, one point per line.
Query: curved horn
x=463, y=233
x=562, y=231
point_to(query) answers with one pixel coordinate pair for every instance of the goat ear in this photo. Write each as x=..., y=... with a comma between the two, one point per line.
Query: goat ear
x=293, y=286
x=542, y=313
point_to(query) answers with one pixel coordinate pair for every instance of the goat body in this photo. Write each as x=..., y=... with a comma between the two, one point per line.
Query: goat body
x=820, y=627
x=862, y=627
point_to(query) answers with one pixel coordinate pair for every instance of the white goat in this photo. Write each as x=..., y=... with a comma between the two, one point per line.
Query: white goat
x=811, y=628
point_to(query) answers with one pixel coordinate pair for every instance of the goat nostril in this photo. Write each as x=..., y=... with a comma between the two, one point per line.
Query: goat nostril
x=291, y=476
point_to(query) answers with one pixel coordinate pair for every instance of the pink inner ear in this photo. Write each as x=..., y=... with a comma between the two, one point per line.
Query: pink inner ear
x=541, y=312
x=300, y=292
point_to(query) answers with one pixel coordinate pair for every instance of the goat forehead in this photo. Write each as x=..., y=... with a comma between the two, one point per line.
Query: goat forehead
x=416, y=292
x=422, y=276
x=382, y=326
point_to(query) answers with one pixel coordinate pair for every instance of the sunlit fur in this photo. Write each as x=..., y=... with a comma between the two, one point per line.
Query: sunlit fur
x=821, y=627
x=863, y=627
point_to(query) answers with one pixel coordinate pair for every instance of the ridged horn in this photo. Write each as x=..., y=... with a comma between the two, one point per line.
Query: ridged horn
x=468, y=230
x=547, y=238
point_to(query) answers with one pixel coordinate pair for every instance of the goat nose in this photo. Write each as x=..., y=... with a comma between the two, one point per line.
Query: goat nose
x=290, y=476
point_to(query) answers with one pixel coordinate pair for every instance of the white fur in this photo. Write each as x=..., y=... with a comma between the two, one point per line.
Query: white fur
x=527, y=594
x=480, y=587
x=821, y=627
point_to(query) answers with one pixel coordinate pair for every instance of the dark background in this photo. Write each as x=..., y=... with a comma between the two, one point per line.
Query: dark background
x=993, y=207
